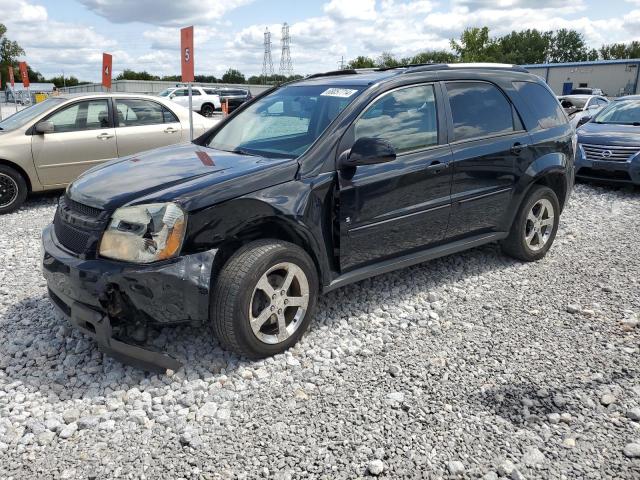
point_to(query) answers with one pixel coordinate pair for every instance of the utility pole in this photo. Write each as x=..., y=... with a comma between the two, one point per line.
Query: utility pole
x=341, y=63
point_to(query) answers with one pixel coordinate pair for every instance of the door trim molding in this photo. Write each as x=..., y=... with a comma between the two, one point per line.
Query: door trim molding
x=399, y=217
x=412, y=259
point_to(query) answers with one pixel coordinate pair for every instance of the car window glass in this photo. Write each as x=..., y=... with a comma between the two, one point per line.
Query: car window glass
x=90, y=115
x=136, y=112
x=479, y=109
x=542, y=103
x=181, y=92
x=194, y=92
x=169, y=116
x=208, y=91
x=405, y=117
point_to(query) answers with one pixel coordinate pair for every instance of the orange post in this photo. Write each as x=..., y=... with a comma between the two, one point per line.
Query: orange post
x=225, y=107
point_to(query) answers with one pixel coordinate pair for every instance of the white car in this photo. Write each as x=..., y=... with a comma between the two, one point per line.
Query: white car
x=204, y=100
x=578, y=107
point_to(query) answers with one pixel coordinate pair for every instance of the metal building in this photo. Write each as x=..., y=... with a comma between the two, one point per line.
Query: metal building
x=614, y=77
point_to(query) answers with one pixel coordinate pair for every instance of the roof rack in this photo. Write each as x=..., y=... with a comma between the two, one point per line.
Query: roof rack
x=443, y=66
x=333, y=73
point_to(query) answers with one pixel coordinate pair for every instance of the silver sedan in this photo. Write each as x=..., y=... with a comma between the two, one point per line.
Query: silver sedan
x=47, y=145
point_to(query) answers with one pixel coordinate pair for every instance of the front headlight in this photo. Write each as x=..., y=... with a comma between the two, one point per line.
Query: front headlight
x=144, y=233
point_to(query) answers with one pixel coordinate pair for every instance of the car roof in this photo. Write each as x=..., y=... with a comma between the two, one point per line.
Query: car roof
x=370, y=76
x=628, y=97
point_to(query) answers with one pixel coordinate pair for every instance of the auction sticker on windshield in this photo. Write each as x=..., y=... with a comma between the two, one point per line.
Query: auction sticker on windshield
x=338, y=92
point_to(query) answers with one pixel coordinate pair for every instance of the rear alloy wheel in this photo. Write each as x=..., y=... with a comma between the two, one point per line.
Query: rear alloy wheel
x=535, y=226
x=207, y=110
x=13, y=189
x=264, y=298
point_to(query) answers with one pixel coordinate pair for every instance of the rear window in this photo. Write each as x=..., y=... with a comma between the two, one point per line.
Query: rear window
x=479, y=109
x=544, y=106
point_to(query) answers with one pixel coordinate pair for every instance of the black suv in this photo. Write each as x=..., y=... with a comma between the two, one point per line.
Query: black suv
x=234, y=96
x=308, y=187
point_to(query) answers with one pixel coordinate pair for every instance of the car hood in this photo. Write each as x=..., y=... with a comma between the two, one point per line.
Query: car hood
x=189, y=174
x=609, y=134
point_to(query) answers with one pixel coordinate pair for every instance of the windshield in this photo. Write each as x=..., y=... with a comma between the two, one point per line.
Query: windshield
x=24, y=116
x=573, y=102
x=286, y=122
x=624, y=112
x=165, y=93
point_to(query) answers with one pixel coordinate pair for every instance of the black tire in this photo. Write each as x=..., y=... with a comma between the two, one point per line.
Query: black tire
x=236, y=286
x=13, y=189
x=516, y=244
x=207, y=110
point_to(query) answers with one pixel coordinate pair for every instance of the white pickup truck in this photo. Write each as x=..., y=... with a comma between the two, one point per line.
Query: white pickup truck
x=204, y=100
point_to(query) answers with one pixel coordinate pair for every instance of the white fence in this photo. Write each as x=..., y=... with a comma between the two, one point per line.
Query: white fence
x=152, y=87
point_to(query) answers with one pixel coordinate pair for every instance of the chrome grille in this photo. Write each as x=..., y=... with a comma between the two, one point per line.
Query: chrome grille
x=606, y=153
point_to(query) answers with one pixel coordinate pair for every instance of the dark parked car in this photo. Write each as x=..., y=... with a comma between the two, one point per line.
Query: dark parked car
x=309, y=187
x=610, y=144
x=235, y=96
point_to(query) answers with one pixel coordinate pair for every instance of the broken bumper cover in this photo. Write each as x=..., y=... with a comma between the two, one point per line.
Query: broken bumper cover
x=101, y=297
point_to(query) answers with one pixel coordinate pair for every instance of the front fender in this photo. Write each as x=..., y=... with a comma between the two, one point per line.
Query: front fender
x=297, y=211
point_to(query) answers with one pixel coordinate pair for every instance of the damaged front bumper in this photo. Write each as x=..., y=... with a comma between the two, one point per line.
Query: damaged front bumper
x=115, y=302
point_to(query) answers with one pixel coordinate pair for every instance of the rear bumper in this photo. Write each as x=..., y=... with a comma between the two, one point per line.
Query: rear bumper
x=108, y=299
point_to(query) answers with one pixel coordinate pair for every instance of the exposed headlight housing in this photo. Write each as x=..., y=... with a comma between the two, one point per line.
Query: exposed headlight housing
x=144, y=233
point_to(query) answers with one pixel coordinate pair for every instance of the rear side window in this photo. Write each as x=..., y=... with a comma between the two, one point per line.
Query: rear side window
x=405, y=117
x=479, y=109
x=544, y=106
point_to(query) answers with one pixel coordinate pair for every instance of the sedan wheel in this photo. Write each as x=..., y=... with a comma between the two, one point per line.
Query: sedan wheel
x=8, y=190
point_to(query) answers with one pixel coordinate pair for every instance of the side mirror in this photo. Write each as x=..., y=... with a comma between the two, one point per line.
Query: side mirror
x=45, y=126
x=582, y=121
x=367, y=151
x=172, y=96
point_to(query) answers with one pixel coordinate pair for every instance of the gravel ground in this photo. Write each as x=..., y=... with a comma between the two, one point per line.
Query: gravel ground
x=471, y=366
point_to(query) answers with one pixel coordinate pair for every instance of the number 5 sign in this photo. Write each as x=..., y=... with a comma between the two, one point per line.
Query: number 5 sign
x=107, y=60
x=186, y=50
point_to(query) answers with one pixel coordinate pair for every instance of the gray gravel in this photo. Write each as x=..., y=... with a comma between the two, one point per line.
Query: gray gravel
x=471, y=366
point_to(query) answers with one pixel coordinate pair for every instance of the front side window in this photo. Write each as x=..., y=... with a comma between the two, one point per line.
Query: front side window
x=544, y=106
x=181, y=92
x=406, y=117
x=89, y=115
x=623, y=112
x=286, y=122
x=133, y=112
x=479, y=109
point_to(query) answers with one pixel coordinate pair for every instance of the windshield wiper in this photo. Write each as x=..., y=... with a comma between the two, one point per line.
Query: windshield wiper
x=242, y=151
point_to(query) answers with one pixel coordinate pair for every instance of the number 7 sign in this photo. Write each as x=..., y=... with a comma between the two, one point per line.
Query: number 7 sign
x=186, y=53
x=106, y=70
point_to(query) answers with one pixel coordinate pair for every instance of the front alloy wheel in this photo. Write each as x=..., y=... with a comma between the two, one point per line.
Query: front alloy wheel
x=279, y=303
x=264, y=298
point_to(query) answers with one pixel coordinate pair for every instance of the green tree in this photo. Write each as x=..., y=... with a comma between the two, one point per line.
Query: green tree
x=567, y=46
x=524, y=47
x=362, y=62
x=620, y=51
x=128, y=74
x=233, y=76
x=388, y=60
x=434, y=56
x=475, y=45
x=9, y=53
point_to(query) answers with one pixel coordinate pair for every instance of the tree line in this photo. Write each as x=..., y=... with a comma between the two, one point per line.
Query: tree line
x=475, y=44
x=525, y=47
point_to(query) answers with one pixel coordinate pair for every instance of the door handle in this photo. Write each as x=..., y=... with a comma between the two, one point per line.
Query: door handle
x=436, y=166
x=518, y=147
x=104, y=136
x=170, y=130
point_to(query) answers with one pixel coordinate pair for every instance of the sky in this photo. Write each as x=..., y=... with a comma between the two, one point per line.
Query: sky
x=70, y=35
